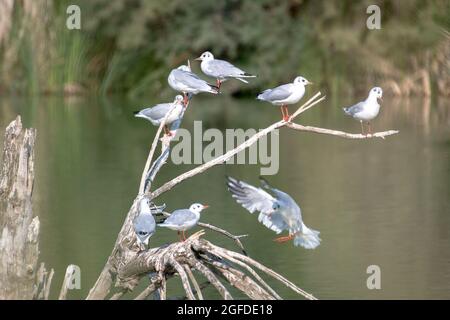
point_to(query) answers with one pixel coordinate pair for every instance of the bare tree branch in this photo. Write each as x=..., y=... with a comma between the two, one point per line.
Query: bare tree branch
x=341, y=134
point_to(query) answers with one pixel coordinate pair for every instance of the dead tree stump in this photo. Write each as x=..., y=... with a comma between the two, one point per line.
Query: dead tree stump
x=20, y=277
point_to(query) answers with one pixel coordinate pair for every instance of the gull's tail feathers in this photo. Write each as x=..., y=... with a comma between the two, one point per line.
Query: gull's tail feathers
x=307, y=238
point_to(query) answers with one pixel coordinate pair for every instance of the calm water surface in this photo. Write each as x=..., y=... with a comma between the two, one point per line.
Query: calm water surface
x=376, y=202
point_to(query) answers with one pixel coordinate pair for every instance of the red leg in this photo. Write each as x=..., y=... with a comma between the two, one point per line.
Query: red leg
x=284, y=239
x=362, y=128
x=167, y=131
x=282, y=112
x=186, y=99
x=286, y=113
x=370, y=128
x=218, y=83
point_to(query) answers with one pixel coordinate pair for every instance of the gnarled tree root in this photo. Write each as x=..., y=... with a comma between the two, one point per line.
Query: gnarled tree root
x=218, y=265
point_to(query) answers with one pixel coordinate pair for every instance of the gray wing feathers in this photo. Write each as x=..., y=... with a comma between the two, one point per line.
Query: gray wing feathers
x=225, y=69
x=144, y=223
x=179, y=217
x=354, y=109
x=274, y=222
x=278, y=93
x=251, y=198
x=157, y=112
x=192, y=80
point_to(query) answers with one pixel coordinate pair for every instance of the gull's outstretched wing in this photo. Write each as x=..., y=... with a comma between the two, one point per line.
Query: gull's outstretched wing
x=256, y=199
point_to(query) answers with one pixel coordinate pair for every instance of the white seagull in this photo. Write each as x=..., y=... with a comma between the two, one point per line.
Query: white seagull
x=144, y=224
x=366, y=110
x=184, y=219
x=279, y=212
x=157, y=113
x=220, y=69
x=285, y=94
x=182, y=79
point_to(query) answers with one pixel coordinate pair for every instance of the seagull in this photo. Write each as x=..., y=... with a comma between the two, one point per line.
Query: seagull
x=157, y=113
x=144, y=224
x=220, y=69
x=182, y=79
x=285, y=94
x=366, y=110
x=278, y=212
x=184, y=219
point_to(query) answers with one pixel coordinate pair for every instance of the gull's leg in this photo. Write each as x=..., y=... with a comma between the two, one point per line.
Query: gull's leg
x=370, y=127
x=186, y=99
x=218, y=83
x=284, y=239
x=282, y=112
x=179, y=235
x=184, y=236
x=362, y=127
x=167, y=131
x=286, y=113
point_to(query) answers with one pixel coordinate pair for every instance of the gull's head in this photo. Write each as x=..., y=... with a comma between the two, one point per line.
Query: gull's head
x=143, y=236
x=301, y=80
x=198, y=207
x=184, y=68
x=178, y=99
x=376, y=92
x=205, y=56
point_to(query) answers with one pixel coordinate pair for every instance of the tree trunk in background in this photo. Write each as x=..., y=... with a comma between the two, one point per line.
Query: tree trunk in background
x=19, y=229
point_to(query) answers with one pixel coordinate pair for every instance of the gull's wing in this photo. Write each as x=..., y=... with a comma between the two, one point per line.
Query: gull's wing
x=283, y=198
x=256, y=199
x=180, y=217
x=191, y=80
x=354, y=109
x=157, y=112
x=274, y=222
x=223, y=68
x=279, y=93
x=251, y=198
x=144, y=225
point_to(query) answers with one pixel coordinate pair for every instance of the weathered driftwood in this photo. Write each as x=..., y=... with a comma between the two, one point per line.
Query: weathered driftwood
x=20, y=277
x=127, y=265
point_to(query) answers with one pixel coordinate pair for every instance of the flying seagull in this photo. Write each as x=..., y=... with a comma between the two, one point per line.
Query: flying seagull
x=285, y=94
x=157, y=113
x=144, y=224
x=184, y=219
x=220, y=69
x=366, y=110
x=182, y=79
x=278, y=212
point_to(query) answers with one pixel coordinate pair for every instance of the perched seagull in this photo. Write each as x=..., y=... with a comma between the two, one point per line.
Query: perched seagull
x=184, y=219
x=285, y=94
x=144, y=224
x=279, y=212
x=182, y=79
x=220, y=69
x=157, y=113
x=366, y=110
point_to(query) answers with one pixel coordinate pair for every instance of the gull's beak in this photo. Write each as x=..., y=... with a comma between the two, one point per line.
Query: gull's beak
x=198, y=59
x=205, y=206
x=381, y=98
x=309, y=82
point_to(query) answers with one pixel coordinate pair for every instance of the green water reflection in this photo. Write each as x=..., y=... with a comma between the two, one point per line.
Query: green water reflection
x=375, y=202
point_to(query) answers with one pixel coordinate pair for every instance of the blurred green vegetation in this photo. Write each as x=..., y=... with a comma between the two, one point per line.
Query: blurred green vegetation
x=130, y=46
